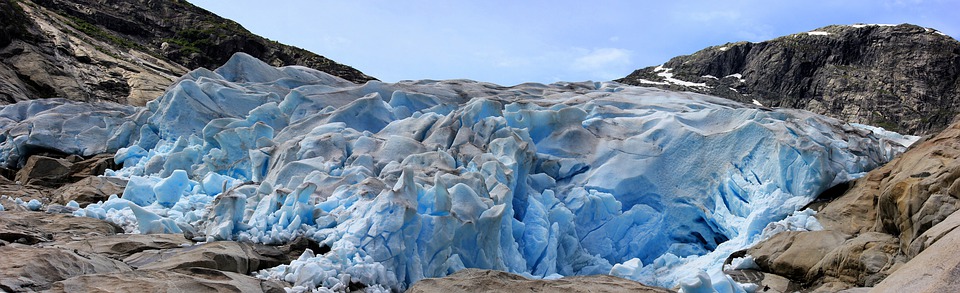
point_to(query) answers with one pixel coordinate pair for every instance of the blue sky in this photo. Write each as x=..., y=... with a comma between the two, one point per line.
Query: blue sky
x=510, y=42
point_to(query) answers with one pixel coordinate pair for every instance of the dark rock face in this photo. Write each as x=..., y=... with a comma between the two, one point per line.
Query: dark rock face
x=904, y=78
x=124, y=51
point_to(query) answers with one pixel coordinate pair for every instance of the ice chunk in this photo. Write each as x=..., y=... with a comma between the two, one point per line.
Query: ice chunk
x=169, y=190
x=33, y=205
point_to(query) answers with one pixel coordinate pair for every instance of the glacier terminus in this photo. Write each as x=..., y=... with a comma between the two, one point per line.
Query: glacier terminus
x=417, y=179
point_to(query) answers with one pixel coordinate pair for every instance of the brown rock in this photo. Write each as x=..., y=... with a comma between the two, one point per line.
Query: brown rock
x=183, y=280
x=477, y=280
x=121, y=246
x=936, y=269
x=862, y=261
x=240, y=257
x=25, y=268
x=793, y=254
x=933, y=235
x=90, y=190
x=44, y=171
x=35, y=227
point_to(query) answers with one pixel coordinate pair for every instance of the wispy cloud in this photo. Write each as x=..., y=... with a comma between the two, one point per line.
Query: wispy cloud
x=604, y=63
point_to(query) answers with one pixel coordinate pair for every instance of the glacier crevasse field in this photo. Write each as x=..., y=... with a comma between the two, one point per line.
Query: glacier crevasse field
x=419, y=179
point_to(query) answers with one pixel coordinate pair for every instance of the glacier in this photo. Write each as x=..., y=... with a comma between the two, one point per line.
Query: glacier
x=417, y=179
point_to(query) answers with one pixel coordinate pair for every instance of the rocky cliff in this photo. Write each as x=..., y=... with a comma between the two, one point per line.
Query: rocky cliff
x=904, y=78
x=124, y=51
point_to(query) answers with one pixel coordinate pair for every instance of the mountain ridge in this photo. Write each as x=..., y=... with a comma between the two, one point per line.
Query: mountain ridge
x=870, y=74
x=111, y=50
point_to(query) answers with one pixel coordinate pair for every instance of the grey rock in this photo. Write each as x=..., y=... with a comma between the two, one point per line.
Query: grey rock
x=240, y=257
x=903, y=78
x=477, y=280
x=24, y=268
x=35, y=227
x=181, y=280
x=121, y=246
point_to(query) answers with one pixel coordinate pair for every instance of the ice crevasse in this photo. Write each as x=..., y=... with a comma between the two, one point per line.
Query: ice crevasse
x=416, y=179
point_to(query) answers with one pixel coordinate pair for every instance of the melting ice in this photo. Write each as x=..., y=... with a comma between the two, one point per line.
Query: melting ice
x=420, y=179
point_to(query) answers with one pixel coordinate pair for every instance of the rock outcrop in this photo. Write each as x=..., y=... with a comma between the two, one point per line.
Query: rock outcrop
x=26, y=268
x=185, y=280
x=124, y=51
x=477, y=280
x=904, y=78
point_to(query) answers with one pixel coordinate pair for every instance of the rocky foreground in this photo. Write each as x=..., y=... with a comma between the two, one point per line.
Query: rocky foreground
x=893, y=230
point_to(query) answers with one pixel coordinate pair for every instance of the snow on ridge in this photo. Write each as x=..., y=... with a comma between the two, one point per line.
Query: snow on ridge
x=738, y=76
x=818, y=33
x=668, y=77
x=422, y=178
x=861, y=25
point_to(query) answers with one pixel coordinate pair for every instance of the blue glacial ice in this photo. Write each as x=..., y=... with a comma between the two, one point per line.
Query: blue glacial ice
x=419, y=179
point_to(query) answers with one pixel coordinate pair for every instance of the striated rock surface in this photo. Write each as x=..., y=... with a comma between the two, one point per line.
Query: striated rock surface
x=187, y=280
x=477, y=280
x=121, y=246
x=32, y=227
x=239, y=257
x=26, y=268
x=904, y=78
x=124, y=51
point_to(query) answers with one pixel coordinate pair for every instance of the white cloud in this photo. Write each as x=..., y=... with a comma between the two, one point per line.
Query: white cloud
x=598, y=59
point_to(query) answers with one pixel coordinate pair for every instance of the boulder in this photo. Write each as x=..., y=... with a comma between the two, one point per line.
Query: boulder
x=121, y=246
x=26, y=268
x=44, y=171
x=90, y=190
x=861, y=261
x=240, y=257
x=477, y=280
x=936, y=269
x=35, y=227
x=792, y=254
x=182, y=280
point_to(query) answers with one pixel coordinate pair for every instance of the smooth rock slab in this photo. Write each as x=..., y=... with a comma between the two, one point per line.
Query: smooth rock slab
x=25, y=268
x=123, y=245
x=34, y=227
x=90, y=190
x=230, y=256
x=476, y=280
x=184, y=280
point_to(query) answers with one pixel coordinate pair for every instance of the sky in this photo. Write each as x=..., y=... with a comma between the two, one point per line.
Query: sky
x=511, y=42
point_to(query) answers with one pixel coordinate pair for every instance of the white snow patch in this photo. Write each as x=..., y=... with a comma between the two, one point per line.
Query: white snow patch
x=733, y=89
x=755, y=102
x=738, y=76
x=710, y=76
x=668, y=77
x=723, y=49
x=860, y=25
x=644, y=81
x=815, y=33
